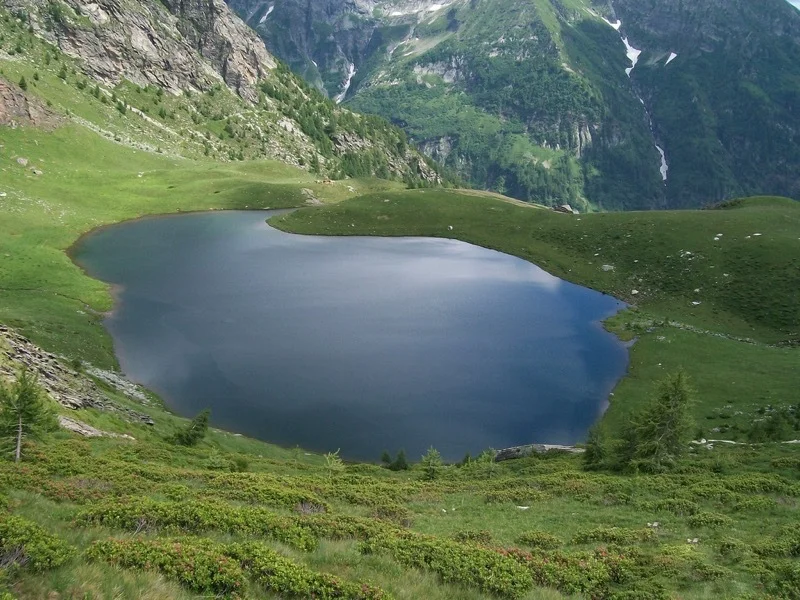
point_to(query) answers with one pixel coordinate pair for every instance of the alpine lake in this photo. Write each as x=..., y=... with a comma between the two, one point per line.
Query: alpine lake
x=354, y=343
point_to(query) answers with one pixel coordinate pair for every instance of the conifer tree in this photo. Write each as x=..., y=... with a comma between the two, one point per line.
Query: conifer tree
x=24, y=413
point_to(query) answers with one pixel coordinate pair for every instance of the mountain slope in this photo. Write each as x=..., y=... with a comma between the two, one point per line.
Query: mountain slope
x=192, y=79
x=538, y=98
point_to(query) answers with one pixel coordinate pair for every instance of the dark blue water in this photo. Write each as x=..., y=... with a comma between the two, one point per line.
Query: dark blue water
x=362, y=344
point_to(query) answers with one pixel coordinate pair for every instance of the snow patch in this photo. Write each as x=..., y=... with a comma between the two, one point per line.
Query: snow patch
x=673, y=56
x=267, y=14
x=633, y=55
x=351, y=71
x=664, y=166
x=616, y=25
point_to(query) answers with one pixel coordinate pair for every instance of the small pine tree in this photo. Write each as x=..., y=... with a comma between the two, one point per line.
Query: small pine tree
x=195, y=431
x=333, y=464
x=657, y=437
x=386, y=458
x=400, y=463
x=431, y=464
x=597, y=449
x=23, y=84
x=24, y=413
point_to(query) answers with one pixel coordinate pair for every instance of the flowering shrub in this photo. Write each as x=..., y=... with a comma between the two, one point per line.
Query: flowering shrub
x=26, y=544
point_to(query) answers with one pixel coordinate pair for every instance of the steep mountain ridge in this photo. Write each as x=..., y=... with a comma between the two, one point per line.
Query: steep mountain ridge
x=540, y=98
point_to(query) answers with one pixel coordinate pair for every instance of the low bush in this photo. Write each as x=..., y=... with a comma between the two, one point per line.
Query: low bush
x=24, y=544
x=614, y=535
x=786, y=544
x=283, y=576
x=676, y=506
x=709, y=519
x=781, y=579
x=591, y=573
x=539, y=539
x=197, y=517
x=197, y=564
x=471, y=536
x=248, y=487
x=457, y=563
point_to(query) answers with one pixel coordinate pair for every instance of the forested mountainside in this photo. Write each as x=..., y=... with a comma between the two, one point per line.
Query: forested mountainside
x=616, y=104
x=191, y=79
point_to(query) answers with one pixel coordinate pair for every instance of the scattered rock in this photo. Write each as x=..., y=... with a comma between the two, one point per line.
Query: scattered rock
x=608, y=268
x=566, y=209
x=530, y=450
x=85, y=430
x=22, y=161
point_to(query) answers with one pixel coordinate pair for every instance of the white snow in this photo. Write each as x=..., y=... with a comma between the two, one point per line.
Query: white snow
x=266, y=14
x=795, y=3
x=673, y=56
x=664, y=166
x=633, y=55
x=616, y=25
x=351, y=71
x=416, y=11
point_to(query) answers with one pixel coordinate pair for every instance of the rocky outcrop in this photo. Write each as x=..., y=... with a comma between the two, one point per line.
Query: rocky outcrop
x=66, y=386
x=158, y=43
x=86, y=430
x=533, y=449
x=18, y=109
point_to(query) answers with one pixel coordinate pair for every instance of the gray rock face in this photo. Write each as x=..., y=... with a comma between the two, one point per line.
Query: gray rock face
x=176, y=44
x=17, y=108
x=64, y=385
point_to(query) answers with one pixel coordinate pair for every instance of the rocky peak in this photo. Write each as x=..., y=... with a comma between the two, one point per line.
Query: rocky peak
x=176, y=44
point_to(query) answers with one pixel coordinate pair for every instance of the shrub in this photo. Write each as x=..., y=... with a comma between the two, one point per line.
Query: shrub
x=283, y=576
x=614, y=535
x=457, y=563
x=26, y=544
x=199, y=565
x=539, y=539
x=196, y=517
x=782, y=580
x=709, y=519
x=580, y=573
x=251, y=487
x=194, y=431
x=394, y=513
x=483, y=536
